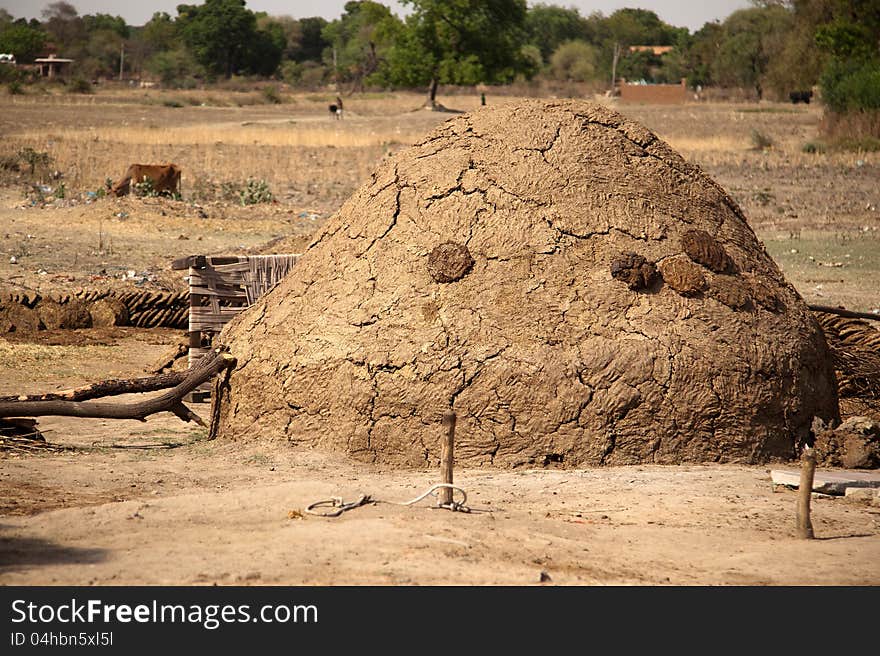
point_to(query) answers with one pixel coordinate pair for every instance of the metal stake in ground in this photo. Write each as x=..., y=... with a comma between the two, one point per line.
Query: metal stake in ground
x=447, y=445
x=805, y=490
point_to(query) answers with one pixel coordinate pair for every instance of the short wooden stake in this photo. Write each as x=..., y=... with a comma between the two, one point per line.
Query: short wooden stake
x=447, y=447
x=805, y=490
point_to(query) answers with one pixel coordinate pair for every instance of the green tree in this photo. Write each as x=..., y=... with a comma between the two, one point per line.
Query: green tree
x=265, y=49
x=574, y=61
x=100, y=54
x=64, y=26
x=458, y=42
x=173, y=67
x=549, y=26
x=108, y=23
x=358, y=41
x=850, y=80
x=160, y=33
x=751, y=39
x=23, y=41
x=218, y=33
x=312, y=42
x=630, y=27
x=700, y=53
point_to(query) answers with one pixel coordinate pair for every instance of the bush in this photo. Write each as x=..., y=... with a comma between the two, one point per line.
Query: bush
x=79, y=85
x=813, y=148
x=145, y=188
x=761, y=141
x=34, y=159
x=291, y=72
x=14, y=88
x=851, y=87
x=574, y=61
x=312, y=75
x=255, y=191
x=271, y=95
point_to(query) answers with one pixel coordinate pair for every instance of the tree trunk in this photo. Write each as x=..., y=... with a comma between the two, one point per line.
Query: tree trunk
x=432, y=92
x=170, y=401
x=106, y=388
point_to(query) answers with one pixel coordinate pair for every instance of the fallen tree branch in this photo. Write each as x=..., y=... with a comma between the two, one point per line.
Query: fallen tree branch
x=106, y=388
x=171, y=401
x=852, y=314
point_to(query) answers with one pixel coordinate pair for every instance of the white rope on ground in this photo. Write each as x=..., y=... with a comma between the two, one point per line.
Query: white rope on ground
x=339, y=506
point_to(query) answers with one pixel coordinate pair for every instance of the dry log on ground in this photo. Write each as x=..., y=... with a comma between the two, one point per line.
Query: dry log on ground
x=106, y=388
x=845, y=313
x=170, y=401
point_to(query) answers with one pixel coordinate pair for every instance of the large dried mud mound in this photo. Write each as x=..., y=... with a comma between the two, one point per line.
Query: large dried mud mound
x=558, y=276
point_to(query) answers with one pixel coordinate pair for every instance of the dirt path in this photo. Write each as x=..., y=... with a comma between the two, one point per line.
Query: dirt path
x=208, y=513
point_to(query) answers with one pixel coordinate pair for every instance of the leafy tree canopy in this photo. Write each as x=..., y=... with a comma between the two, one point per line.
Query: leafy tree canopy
x=23, y=41
x=359, y=39
x=459, y=42
x=223, y=37
x=549, y=26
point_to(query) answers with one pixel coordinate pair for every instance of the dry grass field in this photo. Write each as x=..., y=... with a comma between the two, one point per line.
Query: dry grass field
x=156, y=503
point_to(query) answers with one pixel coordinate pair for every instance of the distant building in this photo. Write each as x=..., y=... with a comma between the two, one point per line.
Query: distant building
x=653, y=93
x=51, y=66
x=654, y=50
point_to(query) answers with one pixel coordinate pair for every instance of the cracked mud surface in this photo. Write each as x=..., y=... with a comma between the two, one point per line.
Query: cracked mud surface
x=541, y=352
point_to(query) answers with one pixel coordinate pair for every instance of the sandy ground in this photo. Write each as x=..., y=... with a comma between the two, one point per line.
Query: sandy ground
x=157, y=503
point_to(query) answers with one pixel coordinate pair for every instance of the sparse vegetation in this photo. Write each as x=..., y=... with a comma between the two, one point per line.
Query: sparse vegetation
x=144, y=188
x=858, y=144
x=255, y=191
x=80, y=85
x=271, y=95
x=761, y=141
x=35, y=160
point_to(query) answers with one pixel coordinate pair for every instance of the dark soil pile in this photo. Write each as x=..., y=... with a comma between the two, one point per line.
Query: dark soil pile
x=557, y=275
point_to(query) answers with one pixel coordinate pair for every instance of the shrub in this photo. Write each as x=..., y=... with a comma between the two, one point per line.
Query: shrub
x=813, y=147
x=574, y=60
x=271, y=95
x=255, y=191
x=79, y=85
x=761, y=141
x=850, y=86
x=145, y=188
x=291, y=72
x=34, y=159
x=14, y=88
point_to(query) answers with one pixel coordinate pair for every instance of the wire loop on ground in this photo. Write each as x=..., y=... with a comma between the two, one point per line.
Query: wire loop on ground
x=338, y=506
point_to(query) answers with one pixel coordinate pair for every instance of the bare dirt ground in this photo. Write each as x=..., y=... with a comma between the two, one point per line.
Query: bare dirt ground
x=157, y=503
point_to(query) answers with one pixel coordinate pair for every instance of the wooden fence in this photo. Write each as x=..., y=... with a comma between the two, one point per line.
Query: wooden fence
x=219, y=288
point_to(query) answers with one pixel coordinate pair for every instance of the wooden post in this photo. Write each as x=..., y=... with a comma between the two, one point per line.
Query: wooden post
x=805, y=490
x=447, y=446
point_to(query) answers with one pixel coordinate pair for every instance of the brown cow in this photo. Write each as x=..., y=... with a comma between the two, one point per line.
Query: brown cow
x=165, y=179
